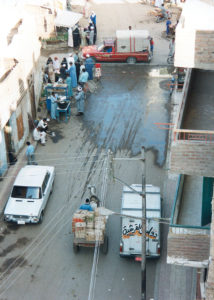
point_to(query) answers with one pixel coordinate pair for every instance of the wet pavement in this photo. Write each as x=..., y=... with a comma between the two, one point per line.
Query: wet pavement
x=123, y=112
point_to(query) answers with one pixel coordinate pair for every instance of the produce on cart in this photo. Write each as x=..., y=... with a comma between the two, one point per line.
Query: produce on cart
x=88, y=228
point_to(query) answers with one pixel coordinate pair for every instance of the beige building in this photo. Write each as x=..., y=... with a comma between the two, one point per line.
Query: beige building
x=22, y=29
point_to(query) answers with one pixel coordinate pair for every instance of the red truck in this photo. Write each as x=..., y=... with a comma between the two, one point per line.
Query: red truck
x=129, y=45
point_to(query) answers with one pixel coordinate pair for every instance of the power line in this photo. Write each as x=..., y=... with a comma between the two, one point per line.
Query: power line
x=33, y=242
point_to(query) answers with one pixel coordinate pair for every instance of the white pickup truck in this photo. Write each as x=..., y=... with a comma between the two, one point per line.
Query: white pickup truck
x=131, y=241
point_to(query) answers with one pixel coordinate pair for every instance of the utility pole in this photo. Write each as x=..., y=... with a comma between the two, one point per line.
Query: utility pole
x=143, y=260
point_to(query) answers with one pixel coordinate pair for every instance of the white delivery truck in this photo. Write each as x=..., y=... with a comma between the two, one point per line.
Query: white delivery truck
x=131, y=227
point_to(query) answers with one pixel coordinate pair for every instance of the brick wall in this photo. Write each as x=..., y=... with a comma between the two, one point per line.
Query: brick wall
x=204, y=54
x=192, y=158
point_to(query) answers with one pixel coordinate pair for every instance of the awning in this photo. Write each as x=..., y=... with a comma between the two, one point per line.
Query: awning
x=67, y=18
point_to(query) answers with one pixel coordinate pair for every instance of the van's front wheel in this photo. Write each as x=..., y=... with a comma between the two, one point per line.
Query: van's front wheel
x=131, y=60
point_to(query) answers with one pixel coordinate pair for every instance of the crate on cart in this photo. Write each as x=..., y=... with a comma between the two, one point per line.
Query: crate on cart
x=89, y=229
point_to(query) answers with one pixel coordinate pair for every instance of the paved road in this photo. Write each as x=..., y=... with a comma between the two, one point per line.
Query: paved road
x=37, y=262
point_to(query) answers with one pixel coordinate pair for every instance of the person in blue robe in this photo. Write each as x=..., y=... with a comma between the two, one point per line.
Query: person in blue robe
x=69, y=85
x=80, y=101
x=72, y=72
x=89, y=65
x=53, y=106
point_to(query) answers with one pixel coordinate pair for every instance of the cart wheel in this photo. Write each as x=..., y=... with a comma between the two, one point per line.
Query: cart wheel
x=104, y=247
x=76, y=248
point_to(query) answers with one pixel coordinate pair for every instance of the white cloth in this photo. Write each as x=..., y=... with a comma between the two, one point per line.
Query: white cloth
x=56, y=65
x=70, y=59
x=70, y=38
x=42, y=124
x=39, y=136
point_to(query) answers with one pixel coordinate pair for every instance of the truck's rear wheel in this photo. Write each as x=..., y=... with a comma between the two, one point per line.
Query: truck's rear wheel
x=131, y=60
x=76, y=248
x=104, y=247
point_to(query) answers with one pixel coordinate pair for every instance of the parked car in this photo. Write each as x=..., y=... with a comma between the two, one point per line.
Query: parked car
x=30, y=193
x=129, y=45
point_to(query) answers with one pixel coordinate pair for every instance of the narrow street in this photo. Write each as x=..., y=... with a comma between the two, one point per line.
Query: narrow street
x=120, y=116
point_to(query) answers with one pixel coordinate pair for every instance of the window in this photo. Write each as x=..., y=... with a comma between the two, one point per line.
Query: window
x=26, y=192
x=20, y=127
x=45, y=182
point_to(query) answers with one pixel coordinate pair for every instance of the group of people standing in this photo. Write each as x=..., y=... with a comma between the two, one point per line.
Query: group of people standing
x=82, y=37
x=71, y=71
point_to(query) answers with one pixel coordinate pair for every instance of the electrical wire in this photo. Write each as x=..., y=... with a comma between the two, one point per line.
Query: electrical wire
x=97, y=244
x=35, y=241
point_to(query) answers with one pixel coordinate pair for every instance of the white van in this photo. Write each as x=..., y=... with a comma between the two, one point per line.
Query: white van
x=131, y=241
x=30, y=194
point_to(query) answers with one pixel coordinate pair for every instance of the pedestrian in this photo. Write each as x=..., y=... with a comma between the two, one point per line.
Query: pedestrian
x=83, y=77
x=30, y=154
x=151, y=45
x=76, y=56
x=51, y=74
x=53, y=105
x=89, y=65
x=72, y=72
x=69, y=86
x=86, y=205
x=91, y=36
x=64, y=62
x=77, y=65
x=39, y=136
x=50, y=60
x=70, y=59
x=43, y=124
x=168, y=23
x=70, y=38
x=80, y=99
x=95, y=34
x=63, y=74
x=93, y=18
x=130, y=28
x=82, y=66
x=56, y=67
x=83, y=34
x=76, y=36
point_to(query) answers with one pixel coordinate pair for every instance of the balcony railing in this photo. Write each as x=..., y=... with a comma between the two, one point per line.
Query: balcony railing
x=194, y=135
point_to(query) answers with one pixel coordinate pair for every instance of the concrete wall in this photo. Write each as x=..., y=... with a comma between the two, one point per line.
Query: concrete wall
x=195, y=36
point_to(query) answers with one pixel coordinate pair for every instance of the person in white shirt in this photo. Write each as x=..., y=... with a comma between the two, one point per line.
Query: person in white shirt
x=39, y=135
x=43, y=125
x=70, y=59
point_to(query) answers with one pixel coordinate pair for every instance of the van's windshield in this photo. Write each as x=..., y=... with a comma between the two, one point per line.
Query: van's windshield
x=26, y=192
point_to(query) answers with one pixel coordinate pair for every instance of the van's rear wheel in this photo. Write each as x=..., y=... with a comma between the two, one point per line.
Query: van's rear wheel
x=104, y=246
x=131, y=60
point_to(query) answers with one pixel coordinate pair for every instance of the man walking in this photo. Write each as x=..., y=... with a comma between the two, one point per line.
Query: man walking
x=72, y=72
x=89, y=65
x=151, y=45
x=30, y=154
x=80, y=99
